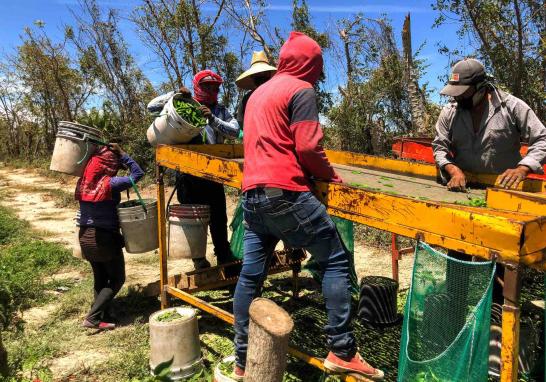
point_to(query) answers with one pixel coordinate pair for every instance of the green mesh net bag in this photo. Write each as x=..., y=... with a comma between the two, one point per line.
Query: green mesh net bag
x=238, y=231
x=445, y=335
x=345, y=228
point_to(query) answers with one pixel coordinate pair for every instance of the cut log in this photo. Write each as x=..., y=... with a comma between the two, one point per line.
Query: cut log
x=3, y=359
x=269, y=331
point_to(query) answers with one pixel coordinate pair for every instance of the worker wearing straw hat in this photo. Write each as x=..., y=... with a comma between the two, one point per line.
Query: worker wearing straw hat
x=260, y=71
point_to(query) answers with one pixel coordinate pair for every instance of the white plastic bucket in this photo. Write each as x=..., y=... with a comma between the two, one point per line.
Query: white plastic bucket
x=187, y=232
x=218, y=375
x=169, y=128
x=72, y=149
x=177, y=340
x=139, y=228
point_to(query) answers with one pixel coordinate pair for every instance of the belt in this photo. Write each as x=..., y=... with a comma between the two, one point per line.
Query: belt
x=270, y=192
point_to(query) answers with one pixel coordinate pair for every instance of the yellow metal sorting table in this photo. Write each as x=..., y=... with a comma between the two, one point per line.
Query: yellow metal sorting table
x=403, y=198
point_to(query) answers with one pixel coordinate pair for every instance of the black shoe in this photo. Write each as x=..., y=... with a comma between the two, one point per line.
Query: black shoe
x=109, y=316
x=200, y=263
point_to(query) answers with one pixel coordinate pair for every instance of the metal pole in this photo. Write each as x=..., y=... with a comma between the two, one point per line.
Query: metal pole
x=510, y=323
x=163, y=273
x=395, y=256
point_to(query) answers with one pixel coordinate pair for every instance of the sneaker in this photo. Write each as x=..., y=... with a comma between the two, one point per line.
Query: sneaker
x=354, y=365
x=100, y=326
x=200, y=263
x=238, y=374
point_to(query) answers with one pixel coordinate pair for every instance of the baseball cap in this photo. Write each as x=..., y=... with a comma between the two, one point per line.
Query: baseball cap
x=464, y=74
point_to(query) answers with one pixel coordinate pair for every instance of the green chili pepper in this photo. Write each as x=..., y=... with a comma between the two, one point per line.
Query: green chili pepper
x=190, y=113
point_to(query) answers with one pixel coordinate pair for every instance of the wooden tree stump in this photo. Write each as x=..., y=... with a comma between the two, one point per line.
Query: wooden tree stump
x=3, y=359
x=269, y=331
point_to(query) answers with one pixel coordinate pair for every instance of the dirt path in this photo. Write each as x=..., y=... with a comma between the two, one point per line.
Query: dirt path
x=28, y=195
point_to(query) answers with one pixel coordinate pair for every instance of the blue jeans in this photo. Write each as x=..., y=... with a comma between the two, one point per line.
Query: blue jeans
x=300, y=221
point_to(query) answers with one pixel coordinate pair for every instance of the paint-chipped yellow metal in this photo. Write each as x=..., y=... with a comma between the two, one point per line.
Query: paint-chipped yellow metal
x=203, y=164
x=531, y=203
x=422, y=170
x=512, y=228
x=524, y=202
x=477, y=231
x=392, y=165
x=163, y=276
x=510, y=344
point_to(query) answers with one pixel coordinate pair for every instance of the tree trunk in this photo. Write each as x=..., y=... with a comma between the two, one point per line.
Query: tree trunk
x=419, y=119
x=520, y=67
x=269, y=330
x=3, y=359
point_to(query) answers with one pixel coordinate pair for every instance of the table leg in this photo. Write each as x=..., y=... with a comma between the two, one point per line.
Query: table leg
x=510, y=323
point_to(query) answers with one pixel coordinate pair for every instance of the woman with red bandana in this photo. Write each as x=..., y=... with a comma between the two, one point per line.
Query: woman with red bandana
x=99, y=193
x=195, y=190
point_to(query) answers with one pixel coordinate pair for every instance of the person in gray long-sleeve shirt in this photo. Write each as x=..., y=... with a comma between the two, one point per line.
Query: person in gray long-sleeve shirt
x=482, y=129
x=481, y=132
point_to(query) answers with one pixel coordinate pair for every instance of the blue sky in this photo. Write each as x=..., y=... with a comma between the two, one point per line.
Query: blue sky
x=16, y=14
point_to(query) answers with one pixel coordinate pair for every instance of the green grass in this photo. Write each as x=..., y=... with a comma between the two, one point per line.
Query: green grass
x=24, y=261
x=10, y=226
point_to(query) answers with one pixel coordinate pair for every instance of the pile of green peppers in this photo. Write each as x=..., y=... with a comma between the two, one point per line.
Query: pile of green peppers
x=190, y=113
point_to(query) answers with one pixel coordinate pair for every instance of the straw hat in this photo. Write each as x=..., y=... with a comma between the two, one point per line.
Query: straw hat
x=259, y=64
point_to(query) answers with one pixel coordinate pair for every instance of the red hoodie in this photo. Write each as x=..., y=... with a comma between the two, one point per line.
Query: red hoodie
x=282, y=130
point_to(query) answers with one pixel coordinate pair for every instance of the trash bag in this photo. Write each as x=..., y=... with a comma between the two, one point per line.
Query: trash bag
x=445, y=335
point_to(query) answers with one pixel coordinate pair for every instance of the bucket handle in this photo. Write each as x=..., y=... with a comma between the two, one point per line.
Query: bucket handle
x=87, y=138
x=138, y=194
x=86, y=151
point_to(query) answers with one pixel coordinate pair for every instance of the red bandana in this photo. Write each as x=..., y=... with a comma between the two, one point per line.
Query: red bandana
x=202, y=96
x=94, y=185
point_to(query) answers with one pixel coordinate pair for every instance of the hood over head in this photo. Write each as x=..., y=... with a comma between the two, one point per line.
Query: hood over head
x=208, y=97
x=301, y=57
x=94, y=185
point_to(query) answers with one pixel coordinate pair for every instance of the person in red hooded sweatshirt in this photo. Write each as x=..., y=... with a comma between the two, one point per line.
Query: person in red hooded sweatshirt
x=283, y=155
x=195, y=190
x=99, y=192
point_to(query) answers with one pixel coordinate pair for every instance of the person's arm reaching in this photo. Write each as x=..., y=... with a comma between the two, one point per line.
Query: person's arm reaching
x=441, y=146
x=305, y=127
x=229, y=127
x=534, y=132
x=121, y=183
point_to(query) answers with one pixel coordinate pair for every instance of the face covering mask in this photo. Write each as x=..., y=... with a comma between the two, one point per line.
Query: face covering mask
x=465, y=103
x=469, y=102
